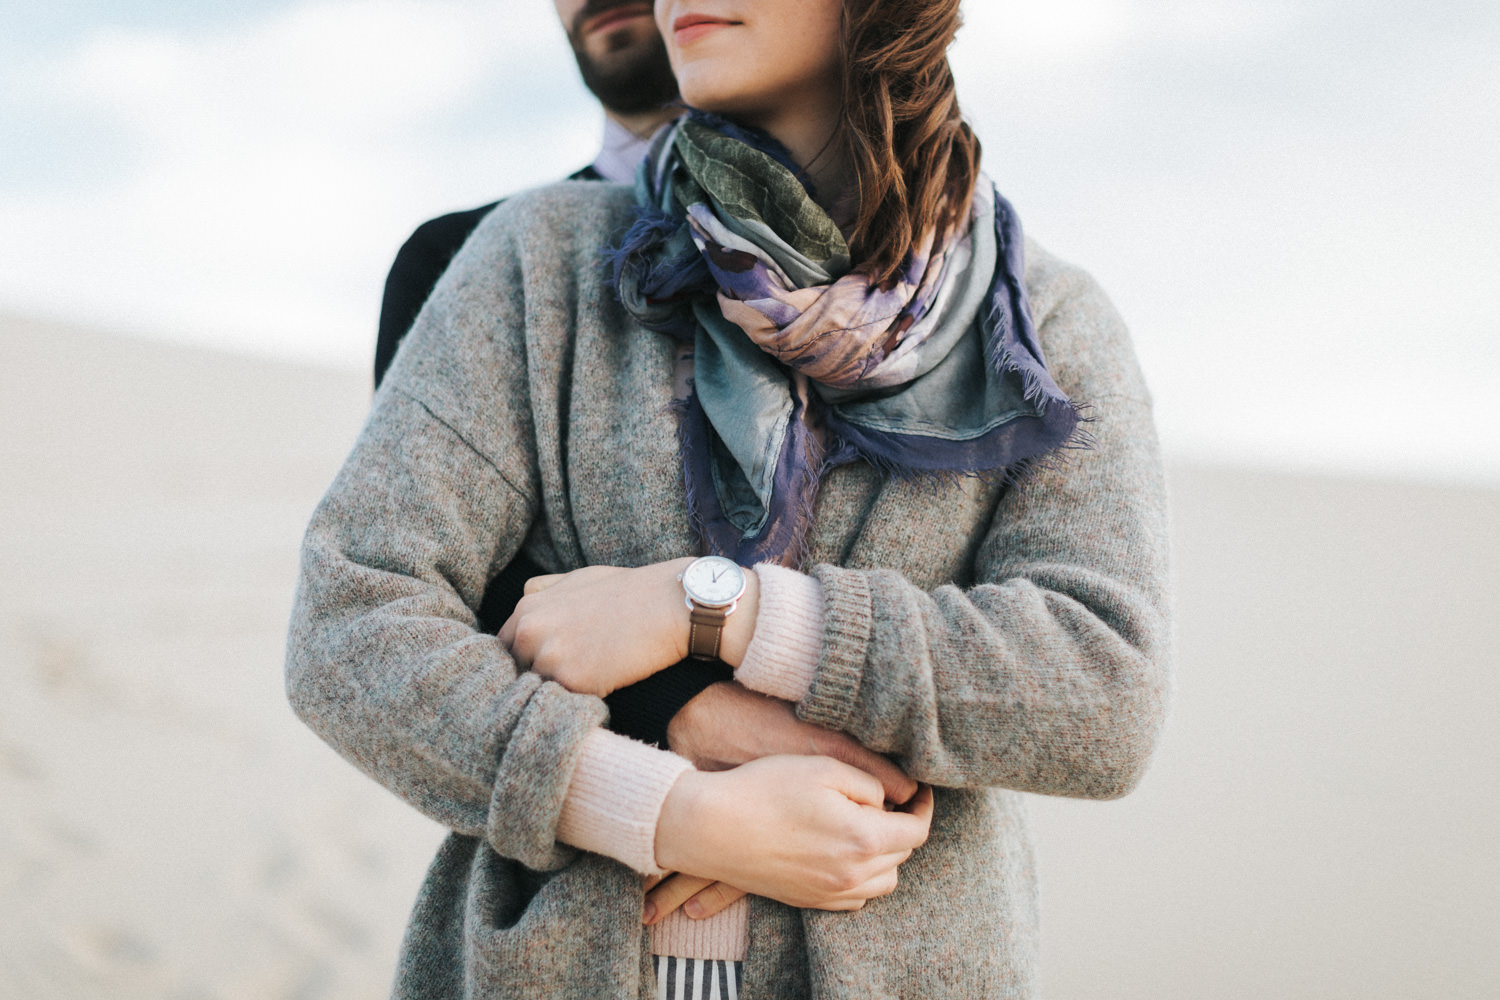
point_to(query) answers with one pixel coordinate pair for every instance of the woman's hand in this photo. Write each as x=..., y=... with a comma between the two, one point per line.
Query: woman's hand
x=601, y=628
x=727, y=725
x=808, y=831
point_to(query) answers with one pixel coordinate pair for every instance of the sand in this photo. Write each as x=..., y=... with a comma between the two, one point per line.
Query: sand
x=1321, y=819
x=1318, y=823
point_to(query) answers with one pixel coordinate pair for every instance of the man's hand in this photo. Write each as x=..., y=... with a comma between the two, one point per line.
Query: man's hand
x=697, y=897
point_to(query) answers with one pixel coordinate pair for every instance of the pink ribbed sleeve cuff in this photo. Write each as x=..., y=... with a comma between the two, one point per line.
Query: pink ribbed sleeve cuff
x=615, y=798
x=724, y=936
x=783, y=653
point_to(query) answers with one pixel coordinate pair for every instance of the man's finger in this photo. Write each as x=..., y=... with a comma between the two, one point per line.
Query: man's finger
x=921, y=804
x=670, y=893
x=898, y=787
x=841, y=746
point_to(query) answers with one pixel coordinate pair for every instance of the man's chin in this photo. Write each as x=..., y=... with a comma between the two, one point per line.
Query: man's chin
x=634, y=74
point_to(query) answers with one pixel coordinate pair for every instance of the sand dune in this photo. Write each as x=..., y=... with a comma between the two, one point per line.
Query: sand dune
x=1319, y=822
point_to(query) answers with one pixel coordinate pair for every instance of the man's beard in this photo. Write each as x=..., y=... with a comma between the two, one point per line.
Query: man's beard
x=639, y=81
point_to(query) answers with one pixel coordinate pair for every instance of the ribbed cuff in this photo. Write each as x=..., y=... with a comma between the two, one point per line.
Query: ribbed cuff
x=615, y=799
x=847, y=607
x=783, y=653
x=725, y=936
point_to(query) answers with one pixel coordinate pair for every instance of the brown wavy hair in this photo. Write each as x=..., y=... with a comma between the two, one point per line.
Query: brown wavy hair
x=914, y=158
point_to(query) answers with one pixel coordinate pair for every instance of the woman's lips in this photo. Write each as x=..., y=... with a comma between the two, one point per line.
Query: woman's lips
x=691, y=27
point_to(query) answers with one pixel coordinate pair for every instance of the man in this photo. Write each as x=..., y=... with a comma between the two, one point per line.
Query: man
x=624, y=64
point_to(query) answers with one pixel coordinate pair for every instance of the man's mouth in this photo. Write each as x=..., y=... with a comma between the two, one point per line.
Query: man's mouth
x=608, y=14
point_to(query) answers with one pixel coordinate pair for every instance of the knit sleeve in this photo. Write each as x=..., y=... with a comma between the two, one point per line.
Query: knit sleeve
x=1050, y=671
x=782, y=657
x=383, y=658
x=384, y=661
x=615, y=797
x=419, y=264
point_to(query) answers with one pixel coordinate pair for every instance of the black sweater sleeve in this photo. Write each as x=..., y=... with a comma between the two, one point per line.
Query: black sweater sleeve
x=419, y=264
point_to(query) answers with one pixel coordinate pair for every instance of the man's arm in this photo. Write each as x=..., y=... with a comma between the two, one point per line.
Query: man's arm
x=419, y=264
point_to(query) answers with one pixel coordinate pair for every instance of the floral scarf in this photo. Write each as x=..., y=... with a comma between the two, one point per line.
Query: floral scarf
x=801, y=364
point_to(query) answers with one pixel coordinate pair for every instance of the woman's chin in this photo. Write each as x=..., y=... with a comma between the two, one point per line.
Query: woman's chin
x=711, y=88
x=731, y=106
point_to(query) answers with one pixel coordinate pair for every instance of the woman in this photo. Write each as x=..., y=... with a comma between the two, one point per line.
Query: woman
x=821, y=355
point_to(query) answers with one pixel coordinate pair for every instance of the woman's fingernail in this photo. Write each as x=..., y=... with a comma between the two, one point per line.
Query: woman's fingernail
x=650, y=913
x=693, y=909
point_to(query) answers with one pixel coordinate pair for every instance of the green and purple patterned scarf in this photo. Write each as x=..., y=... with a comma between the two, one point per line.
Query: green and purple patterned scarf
x=801, y=363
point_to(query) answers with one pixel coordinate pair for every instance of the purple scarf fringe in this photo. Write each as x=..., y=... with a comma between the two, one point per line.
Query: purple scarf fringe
x=1013, y=348
x=782, y=538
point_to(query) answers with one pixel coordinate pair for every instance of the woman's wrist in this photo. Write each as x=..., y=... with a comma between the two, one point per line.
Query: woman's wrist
x=739, y=627
x=735, y=626
x=676, y=823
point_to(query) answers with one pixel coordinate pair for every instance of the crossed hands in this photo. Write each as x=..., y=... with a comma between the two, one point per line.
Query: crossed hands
x=855, y=850
x=778, y=807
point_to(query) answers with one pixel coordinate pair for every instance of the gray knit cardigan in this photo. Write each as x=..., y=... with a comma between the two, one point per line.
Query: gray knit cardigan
x=993, y=640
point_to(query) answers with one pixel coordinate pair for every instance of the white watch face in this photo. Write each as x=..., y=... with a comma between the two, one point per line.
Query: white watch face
x=714, y=581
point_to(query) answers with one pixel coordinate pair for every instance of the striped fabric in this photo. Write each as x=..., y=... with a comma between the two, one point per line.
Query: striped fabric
x=697, y=978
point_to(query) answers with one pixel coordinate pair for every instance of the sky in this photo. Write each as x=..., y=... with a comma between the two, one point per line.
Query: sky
x=1295, y=205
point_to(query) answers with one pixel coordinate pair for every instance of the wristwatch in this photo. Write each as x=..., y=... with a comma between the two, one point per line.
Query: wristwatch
x=714, y=586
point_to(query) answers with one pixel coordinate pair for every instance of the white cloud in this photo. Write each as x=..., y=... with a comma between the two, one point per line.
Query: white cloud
x=358, y=65
x=1036, y=35
x=271, y=171
x=1293, y=207
x=1069, y=35
x=1066, y=64
x=1249, y=180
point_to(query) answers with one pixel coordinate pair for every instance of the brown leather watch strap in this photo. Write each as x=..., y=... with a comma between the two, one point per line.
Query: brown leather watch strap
x=705, y=632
